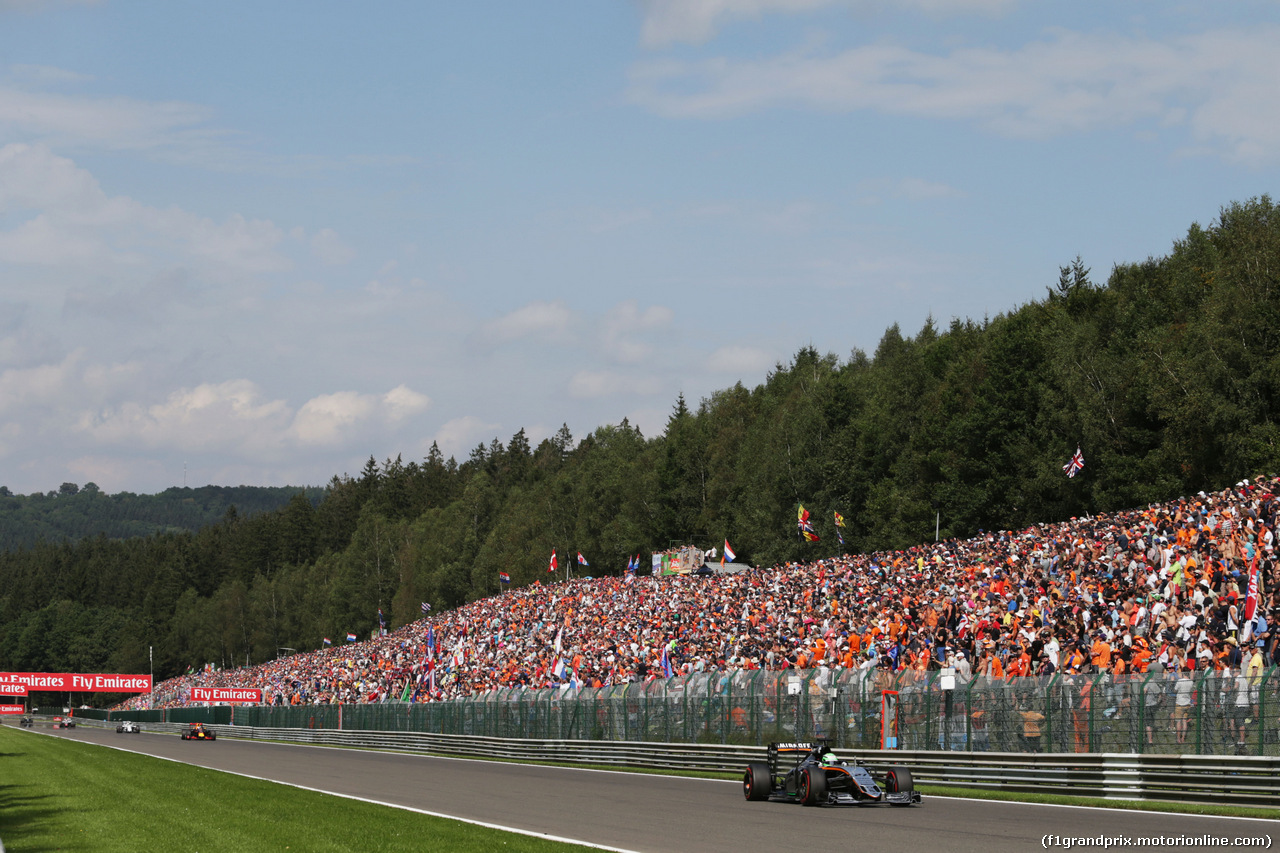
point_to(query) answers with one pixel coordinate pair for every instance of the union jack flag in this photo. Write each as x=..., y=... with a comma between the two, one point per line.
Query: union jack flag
x=805, y=525
x=1075, y=465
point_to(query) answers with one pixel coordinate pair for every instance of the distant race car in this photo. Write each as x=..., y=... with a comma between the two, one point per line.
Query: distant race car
x=197, y=731
x=809, y=773
x=64, y=723
x=26, y=722
x=127, y=727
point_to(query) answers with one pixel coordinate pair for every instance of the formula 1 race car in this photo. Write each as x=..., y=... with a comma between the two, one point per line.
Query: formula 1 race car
x=197, y=731
x=128, y=727
x=26, y=722
x=64, y=723
x=810, y=773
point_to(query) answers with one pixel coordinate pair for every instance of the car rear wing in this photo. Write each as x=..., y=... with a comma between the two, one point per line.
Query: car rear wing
x=794, y=750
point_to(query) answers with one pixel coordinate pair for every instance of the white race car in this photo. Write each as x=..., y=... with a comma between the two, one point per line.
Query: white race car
x=128, y=727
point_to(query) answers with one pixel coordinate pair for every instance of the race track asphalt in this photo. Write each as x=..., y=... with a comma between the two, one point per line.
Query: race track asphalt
x=658, y=813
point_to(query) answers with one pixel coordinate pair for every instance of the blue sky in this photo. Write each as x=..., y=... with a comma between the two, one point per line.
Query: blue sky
x=266, y=241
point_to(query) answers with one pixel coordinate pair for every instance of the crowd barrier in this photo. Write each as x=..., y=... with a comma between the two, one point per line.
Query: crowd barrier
x=1139, y=714
x=1236, y=780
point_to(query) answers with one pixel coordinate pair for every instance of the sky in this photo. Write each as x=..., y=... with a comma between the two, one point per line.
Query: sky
x=259, y=243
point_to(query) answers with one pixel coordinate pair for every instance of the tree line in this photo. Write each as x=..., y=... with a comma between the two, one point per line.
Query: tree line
x=72, y=512
x=1165, y=376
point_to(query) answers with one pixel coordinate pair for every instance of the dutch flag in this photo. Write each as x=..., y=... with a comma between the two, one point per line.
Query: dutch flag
x=728, y=552
x=351, y=638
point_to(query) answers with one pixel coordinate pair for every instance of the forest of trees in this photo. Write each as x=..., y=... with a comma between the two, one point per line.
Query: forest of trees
x=1166, y=375
x=74, y=512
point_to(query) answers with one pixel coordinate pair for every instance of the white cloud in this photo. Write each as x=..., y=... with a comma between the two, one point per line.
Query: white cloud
x=329, y=248
x=696, y=21
x=23, y=388
x=458, y=436
x=1224, y=86
x=628, y=334
x=789, y=217
x=592, y=384
x=232, y=415
x=33, y=5
x=331, y=418
x=113, y=122
x=615, y=220
x=323, y=419
x=71, y=220
x=402, y=402
x=47, y=74
x=237, y=416
x=537, y=319
x=918, y=189
x=739, y=360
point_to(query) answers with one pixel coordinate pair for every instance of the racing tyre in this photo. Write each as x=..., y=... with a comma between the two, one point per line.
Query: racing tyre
x=757, y=782
x=212, y=736
x=897, y=780
x=813, y=786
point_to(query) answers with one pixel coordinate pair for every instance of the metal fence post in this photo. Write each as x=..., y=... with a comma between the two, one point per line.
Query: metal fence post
x=1201, y=696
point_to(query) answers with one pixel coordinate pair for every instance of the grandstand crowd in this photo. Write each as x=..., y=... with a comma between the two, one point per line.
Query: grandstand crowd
x=1158, y=589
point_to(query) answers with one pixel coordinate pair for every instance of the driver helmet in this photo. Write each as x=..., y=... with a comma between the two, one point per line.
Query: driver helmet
x=829, y=757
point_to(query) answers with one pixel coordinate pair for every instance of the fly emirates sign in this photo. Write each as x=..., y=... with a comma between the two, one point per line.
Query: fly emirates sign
x=225, y=694
x=75, y=682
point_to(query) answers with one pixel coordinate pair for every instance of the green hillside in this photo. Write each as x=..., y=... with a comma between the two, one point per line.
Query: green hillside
x=1166, y=375
x=73, y=513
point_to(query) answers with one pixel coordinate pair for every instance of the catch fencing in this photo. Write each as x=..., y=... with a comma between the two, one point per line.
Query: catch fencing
x=1145, y=713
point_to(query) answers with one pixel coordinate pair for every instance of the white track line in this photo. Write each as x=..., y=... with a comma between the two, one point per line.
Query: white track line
x=556, y=838
x=701, y=779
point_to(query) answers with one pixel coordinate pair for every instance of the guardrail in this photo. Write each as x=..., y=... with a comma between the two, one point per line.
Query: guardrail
x=1239, y=780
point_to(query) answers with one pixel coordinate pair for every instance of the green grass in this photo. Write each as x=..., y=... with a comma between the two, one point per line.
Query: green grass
x=61, y=795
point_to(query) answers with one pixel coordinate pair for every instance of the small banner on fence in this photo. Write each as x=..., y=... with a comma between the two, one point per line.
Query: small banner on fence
x=249, y=695
x=74, y=682
x=12, y=709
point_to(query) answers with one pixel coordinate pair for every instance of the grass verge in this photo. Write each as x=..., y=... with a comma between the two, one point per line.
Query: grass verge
x=57, y=794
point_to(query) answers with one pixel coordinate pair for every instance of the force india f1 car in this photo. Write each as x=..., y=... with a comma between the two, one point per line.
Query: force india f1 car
x=810, y=773
x=197, y=731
